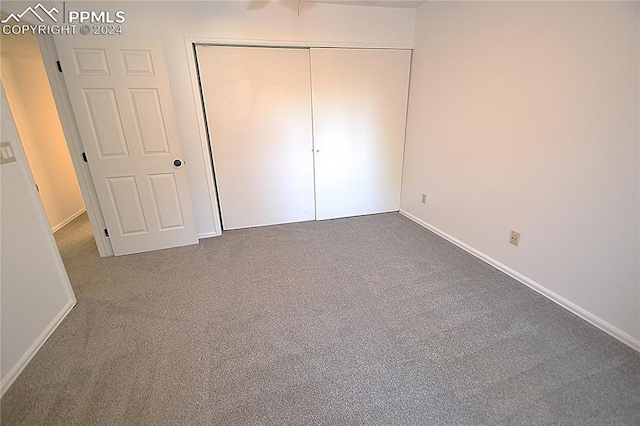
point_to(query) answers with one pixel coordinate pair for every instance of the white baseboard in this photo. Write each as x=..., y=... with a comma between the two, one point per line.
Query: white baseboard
x=24, y=360
x=570, y=306
x=208, y=235
x=68, y=220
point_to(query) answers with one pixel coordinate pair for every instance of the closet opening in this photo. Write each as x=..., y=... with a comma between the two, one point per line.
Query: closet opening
x=298, y=134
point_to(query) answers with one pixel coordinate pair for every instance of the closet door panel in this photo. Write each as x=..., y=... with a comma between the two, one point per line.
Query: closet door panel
x=359, y=115
x=258, y=108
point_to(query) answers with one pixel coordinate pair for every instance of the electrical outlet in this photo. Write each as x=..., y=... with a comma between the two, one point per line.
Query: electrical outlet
x=515, y=238
x=424, y=198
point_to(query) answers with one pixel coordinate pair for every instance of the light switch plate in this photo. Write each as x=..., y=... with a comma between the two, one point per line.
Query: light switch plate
x=6, y=153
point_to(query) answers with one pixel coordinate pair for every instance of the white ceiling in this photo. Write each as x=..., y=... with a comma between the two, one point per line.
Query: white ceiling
x=375, y=3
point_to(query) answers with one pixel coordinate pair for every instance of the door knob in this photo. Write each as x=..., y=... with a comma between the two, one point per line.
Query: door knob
x=177, y=162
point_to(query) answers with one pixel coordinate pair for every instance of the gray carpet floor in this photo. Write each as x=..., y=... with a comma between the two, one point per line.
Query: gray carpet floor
x=368, y=320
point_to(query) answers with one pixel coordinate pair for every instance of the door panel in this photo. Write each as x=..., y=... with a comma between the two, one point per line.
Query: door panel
x=120, y=95
x=166, y=201
x=258, y=108
x=359, y=113
x=137, y=62
x=104, y=116
x=127, y=205
x=148, y=114
x=89, y=62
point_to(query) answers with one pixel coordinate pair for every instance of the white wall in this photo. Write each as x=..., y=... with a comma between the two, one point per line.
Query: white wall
x=35, y=293
x=252, y=22
x=525, y=116
x=30, y=97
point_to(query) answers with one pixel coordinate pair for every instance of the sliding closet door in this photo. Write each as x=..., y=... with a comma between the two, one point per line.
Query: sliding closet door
x=258, y=108
x=359, y=113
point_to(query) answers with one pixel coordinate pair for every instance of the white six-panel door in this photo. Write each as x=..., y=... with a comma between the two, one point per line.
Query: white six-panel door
x=121, y=98
x=359, y=113
x=258, y=108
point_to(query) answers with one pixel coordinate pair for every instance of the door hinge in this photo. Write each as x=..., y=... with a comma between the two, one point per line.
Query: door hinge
x=59, y=66
x=106, y=232
x=84, y=157
x=37, y=189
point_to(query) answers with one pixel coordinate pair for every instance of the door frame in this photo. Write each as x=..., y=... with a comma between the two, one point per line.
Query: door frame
x=74, y=143
x=22, y=163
